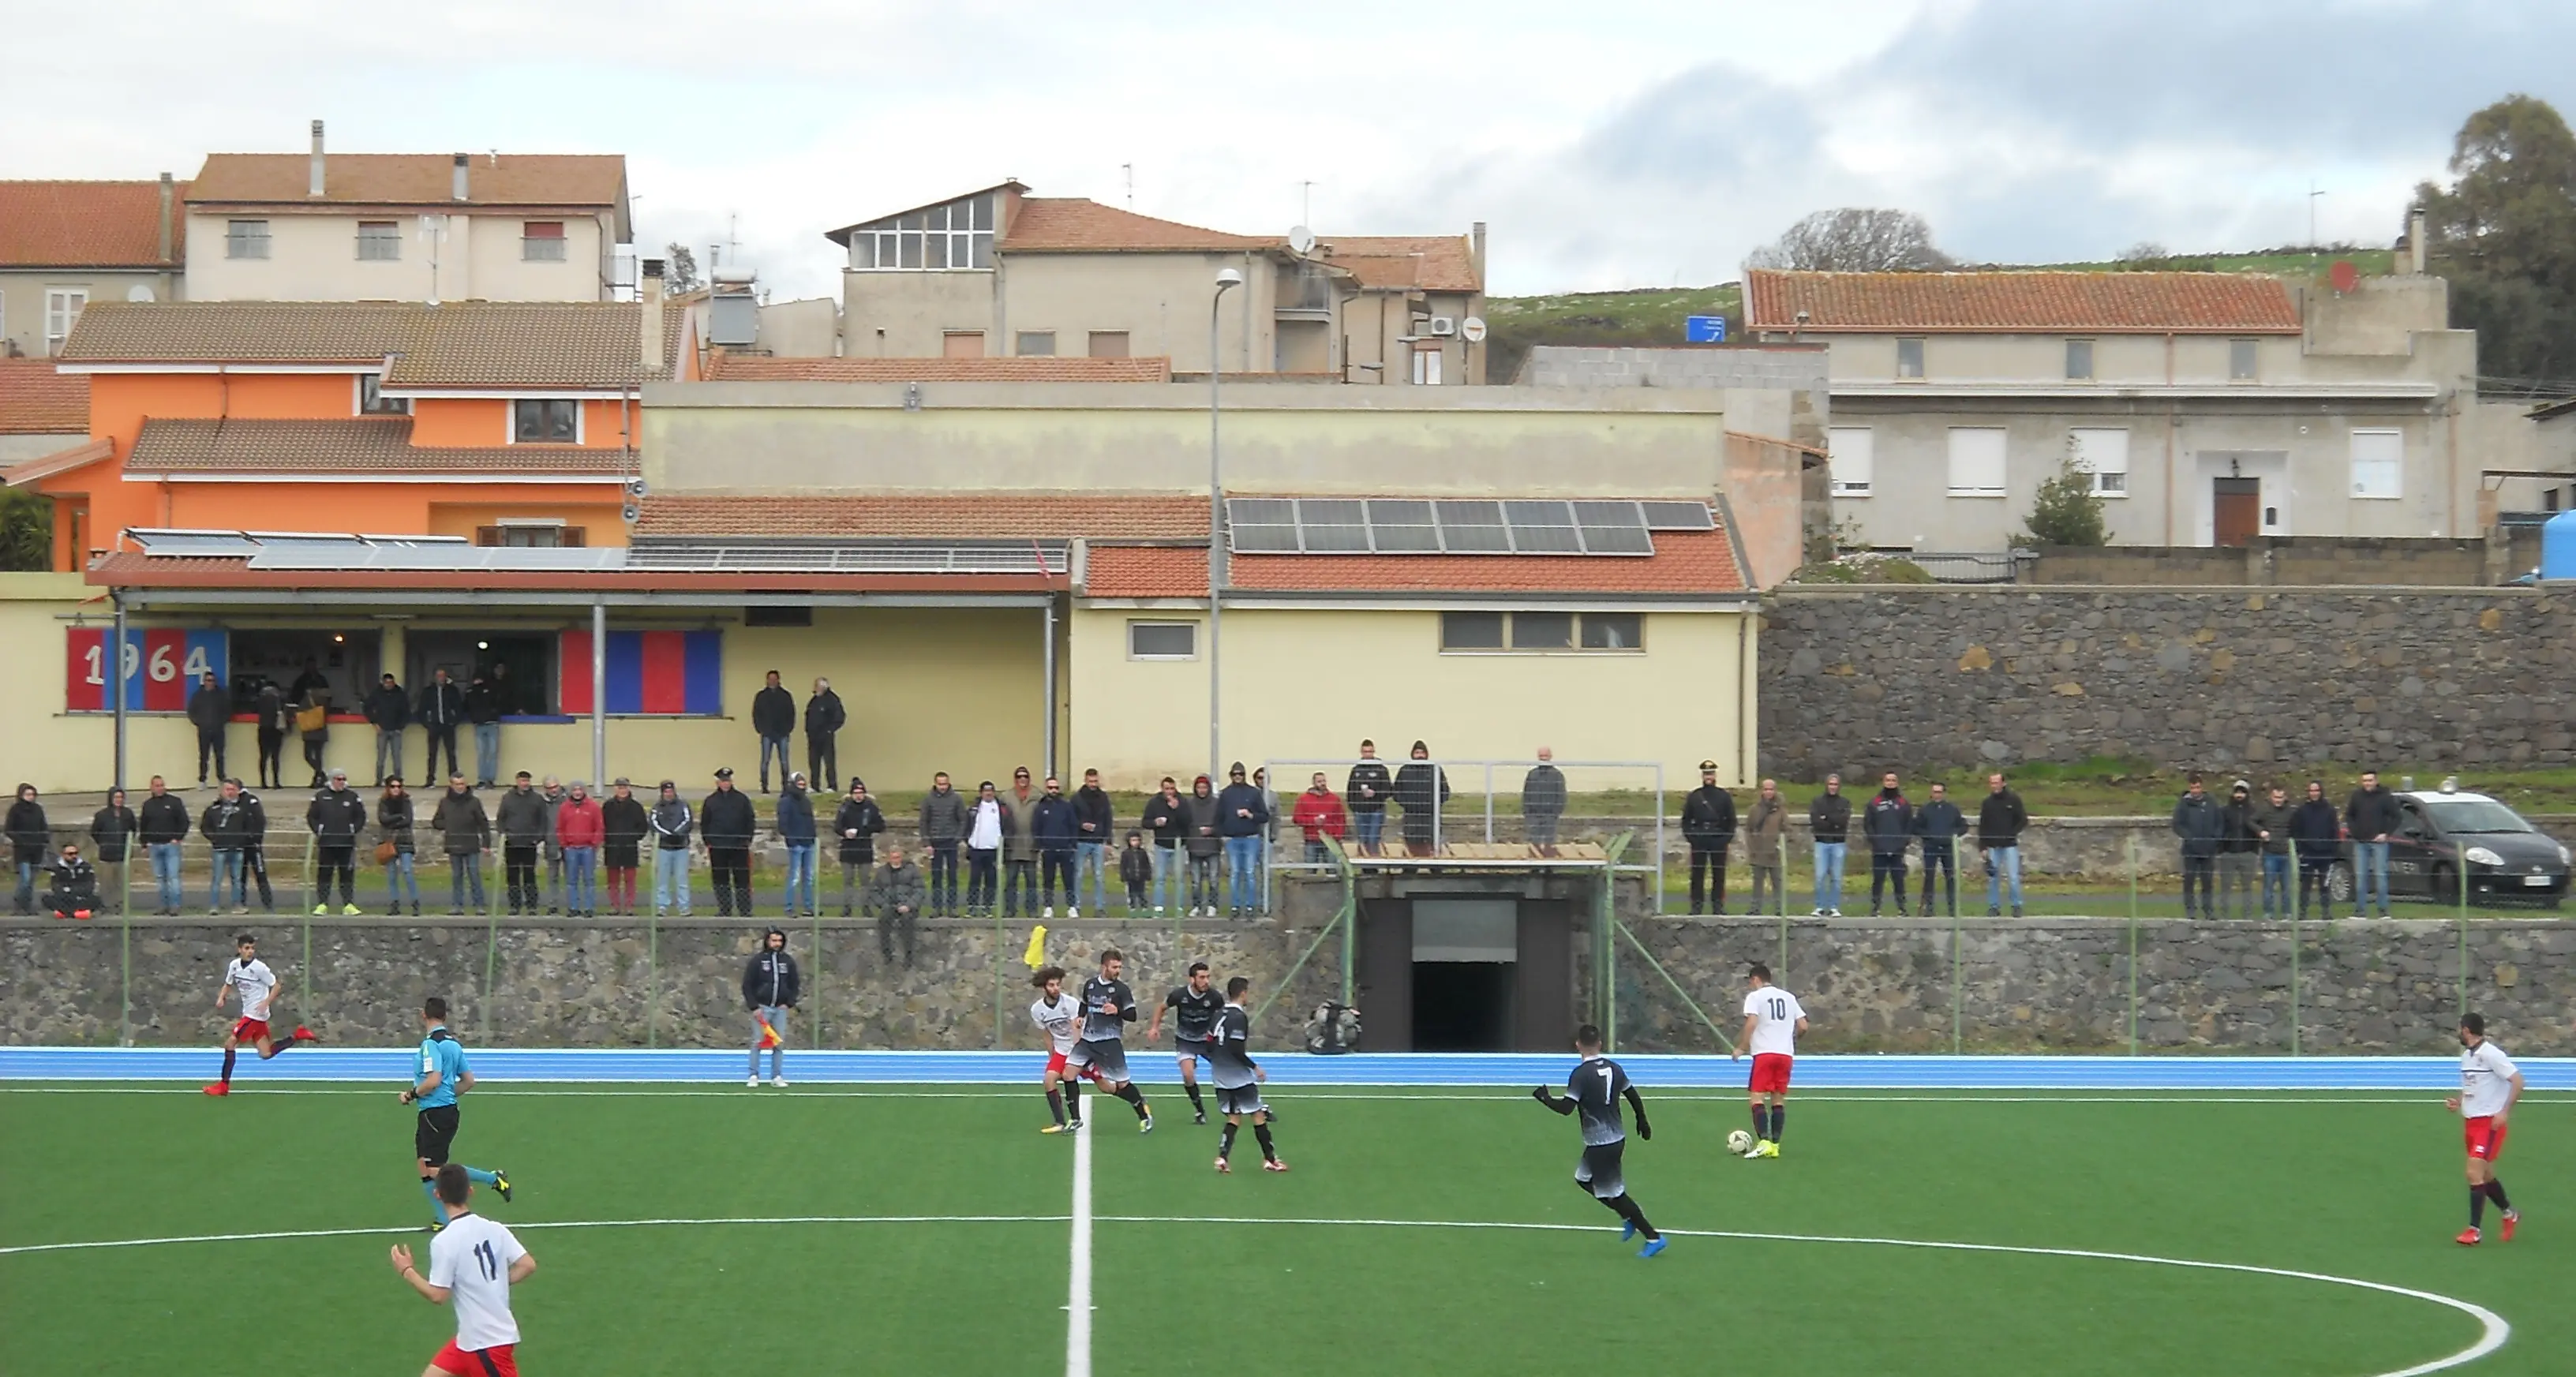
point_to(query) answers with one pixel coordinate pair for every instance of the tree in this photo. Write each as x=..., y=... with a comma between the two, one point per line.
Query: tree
x=2066, y=510
x=2145, y=251
x=2504, y=233
x=1854, y=240
x=26, y=531
x=679, y=269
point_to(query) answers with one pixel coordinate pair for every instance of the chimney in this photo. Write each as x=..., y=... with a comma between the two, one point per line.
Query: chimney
x=169, y=200
x=1477, y=238
x=648, y=296
x=456, y=183
x=2415, y=251
x=314, y=188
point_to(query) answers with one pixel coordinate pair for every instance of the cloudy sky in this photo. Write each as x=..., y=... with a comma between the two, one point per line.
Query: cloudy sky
x=1618, y=145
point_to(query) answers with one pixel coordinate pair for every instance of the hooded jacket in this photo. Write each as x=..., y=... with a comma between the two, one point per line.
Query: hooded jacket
x=113, y=829
x=163, y=818
x=943, y=817
x=1888, y=822
x=1830, y=817
x=1167, y=818
x=770, y=981
x=337, y=815
x=389, y=708
x=1369, y=787
x=1093, y=813
x=460, y=820
x=2197, y=820
x=578, y=822
x=210, y=707
x=1201, y=822
x=1055, y=824
x=394, y=822
x=1236, y=799
x=893, y=887
x=795, y=816
x=824, y=714
x=861, y=816
x=1708, y=817
x=623, y=825
x=29, y=832
x=2000, y=819
x=1135, y=866
x=230, y=824
x=672, y=822
x=524, y=819
x=773, y=711
x=2236, y=825
x=1421, y=787
x=442, y=706
x=2318, y=831
x=728, y=818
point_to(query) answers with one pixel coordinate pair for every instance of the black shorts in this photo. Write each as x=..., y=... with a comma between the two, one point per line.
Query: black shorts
x=435, y=1132
x=1599, y=1170
x=1240, y=1099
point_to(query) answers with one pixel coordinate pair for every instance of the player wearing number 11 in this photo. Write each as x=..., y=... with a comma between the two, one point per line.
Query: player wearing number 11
x=473, y=1263
x=1772, y=1022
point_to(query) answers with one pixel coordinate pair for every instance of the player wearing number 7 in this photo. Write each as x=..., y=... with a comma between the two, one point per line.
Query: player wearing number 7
x=473, y=1263
x=1772, y=1022
x=1593, y=1092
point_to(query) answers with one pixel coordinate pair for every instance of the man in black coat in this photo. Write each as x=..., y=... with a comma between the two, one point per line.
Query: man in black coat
x=210, y=709
x=726, y=822
x=773, y=715
x=824, y=718
x=389, y=708
x=769, y=990
x=440, y=712
x=337, y=817
x=2316, y=837
x=1888, y=823
x=2198, y=821
x=1708, y=825
x=1543, y=799
x=1421, y=788
x=855, y=827
x=1365, y=793
x=2369, y=816
x=1940, y=825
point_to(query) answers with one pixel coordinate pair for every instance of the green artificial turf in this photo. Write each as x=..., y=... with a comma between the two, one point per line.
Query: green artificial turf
x=2365, y=1187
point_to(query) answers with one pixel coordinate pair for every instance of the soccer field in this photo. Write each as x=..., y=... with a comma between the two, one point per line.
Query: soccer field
x=929, y=1229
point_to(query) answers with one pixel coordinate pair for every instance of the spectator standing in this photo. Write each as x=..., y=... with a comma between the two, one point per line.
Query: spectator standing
x=1320, y=814
x=484, y=708
x=673, y=825
x=389, y=709
x=2239, y=850
x=824, y=718
x=441, y=710
x=1096, y=819
x=1421, y=788
x=1019, y=845
x=311, y=684
x=2316, y=834
x=798, y=834
x=1829, y=822
x=398, y=843
x=769, y=990
x=624, y=824
x=2199, y=823
x=1888, y=824
x=1136, y=871
x=337, y=818
x=551, y=849
x=944, y=820
x=895, y=895
x=855, y=826
x=2370, y=815
x=230, y=824
x=1543, y=800
x=2271, y=821
x=727, y=822
x=162, y=824
x=255, y=848
x=1708, y=827
x=465, y=833
x=1167, y=817
x=2000, y=820
x=524, y=824
x=1766, y=833
x=1243, y=820
x=1366, y=791
x=506, y=692
x=773, y=715
x=210, y=710
x=988, y=827
x=113, y=829
x=1939, y=825
x=581, y=828
x=1056, y=827
x=1202, y=817
x=313, y=726
x=273, y=720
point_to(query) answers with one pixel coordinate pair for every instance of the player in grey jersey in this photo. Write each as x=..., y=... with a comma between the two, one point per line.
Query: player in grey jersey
x=1593, y=1093
x=1193, y=1008
x=1108, y=1005
x=1238, y=1079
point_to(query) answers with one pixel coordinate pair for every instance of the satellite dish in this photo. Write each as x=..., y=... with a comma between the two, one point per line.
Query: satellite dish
x=138, y=292
x=2344, y=275
x=1472, y=329
x=1301, y=239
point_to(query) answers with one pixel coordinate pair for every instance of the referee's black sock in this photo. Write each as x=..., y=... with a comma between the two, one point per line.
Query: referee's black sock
x=2495, y=1192
x=1269, y=1150
x=1197, y=1105
x=1055, y=1106
x=2477, y=1206
x=1225, y=1142
x=1627, y=1209
x=1779, y=1120
x=228, y=1066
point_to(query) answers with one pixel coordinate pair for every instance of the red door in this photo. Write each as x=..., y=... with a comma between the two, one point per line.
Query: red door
x=2236, y=508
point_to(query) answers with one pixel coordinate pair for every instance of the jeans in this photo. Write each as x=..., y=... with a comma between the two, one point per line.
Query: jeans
x=487, y=752
x=1091, y=873
x=165, y=873
x=464, y=872
x=942, y=893
x=1317, y=853
x=1243, y=873
x=2317, y=877
x=230, y=874
x=776, y=1016
x=800, y=878
x=1368, y=826
x=2003, y=870
x=1167, y=876
x=2236, y=876
x=1942, y=855
x=388, y=754
x=1203, y=882
x=2369, y=866
x=554, y=877
x=2198, y=872
x=581, y=879
x=2276, y=885
x=767, y=745
x=671, y=880
x=401, y=874
x=440, y=737
x=982, y=869
x=1829, y=875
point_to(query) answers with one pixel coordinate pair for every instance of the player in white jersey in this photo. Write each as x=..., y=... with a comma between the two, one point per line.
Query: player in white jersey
x=1772, y=1022
x=473, y=1263
x=2489, y=1085
x=1059, y=1016
x=249, y=978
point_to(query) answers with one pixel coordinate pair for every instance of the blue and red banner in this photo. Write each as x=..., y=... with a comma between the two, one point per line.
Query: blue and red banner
x=160, y=670
x=650, y=673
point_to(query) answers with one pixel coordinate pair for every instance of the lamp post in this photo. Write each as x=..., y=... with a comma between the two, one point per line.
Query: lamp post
x=1225, y=278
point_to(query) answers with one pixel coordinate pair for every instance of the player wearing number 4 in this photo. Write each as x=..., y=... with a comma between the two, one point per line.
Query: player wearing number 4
x=473, y=1263
x=1238, y=1077
x=251, y=978
x=2489, y=1085
x=1772, y=1022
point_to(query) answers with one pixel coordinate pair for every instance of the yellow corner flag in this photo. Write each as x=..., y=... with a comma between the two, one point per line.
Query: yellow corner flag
x=1035, y=956
x=768, y=1035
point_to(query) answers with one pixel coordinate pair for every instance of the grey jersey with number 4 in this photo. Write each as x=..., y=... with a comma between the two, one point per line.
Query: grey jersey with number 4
x=1230, y=1048
x=1595, y=1087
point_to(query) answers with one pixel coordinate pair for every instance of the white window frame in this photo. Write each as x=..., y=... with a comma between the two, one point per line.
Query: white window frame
x=510, y=421
x=1851, y=452
x=2003, y=461
x=1161, y=623
x=2092, y=363
x=1426, y=366
x=2104, y=458
x=2364, y=488
x=63, y=305
x=1576, y=644
x=243, y=241
x=391, y=243
x=1922, y=368
x=958, y=246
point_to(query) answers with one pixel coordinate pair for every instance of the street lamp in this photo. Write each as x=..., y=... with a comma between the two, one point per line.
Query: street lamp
x=1225, y=278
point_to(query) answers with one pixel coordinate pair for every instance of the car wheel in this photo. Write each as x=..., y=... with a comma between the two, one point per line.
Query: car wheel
x=2339, y=883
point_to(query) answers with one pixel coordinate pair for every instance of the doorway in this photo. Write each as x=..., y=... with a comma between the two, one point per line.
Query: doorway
x=1465, y=973
x=2236, y=511
x=1462, y=1006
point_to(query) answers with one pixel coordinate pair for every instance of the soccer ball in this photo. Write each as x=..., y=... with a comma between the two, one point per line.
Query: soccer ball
x=1739, y=1142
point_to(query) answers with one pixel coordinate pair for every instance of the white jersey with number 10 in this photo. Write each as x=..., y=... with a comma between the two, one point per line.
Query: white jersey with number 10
x=1775, y=1014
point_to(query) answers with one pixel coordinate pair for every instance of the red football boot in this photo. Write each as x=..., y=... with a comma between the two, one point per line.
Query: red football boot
x=2468, y=1237
x=220, y=1088
x=2510, y=1219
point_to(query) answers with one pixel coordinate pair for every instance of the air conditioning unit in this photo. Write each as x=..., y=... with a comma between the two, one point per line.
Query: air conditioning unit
x=1444, y=325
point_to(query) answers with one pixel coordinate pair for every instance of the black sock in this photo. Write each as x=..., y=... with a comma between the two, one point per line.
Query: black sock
x=1073, y=1100
x=1197, y=1105
x=1269, y=1150
x=1225, y=1142
x=278, y=1048
x=1134, y=1097
x=1779, y=1120
x=1761, y=1122
x=1627, y=1209
x=1055, y=1106
x=2495, y=1192
x=2477, y=1206
x=228, y=1066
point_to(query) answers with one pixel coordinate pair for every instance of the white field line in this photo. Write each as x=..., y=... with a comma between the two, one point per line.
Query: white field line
x=1077, y=1299
x=1693, y=1095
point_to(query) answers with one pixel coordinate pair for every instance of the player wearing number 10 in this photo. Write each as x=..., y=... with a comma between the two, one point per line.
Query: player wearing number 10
x=473, y=1263
x=1772, y=1022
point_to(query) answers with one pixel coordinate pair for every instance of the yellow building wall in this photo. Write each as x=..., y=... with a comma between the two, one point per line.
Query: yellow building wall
x=1310, y=684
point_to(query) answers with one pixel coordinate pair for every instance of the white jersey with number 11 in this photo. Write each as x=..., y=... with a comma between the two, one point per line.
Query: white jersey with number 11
x=1775, y=1014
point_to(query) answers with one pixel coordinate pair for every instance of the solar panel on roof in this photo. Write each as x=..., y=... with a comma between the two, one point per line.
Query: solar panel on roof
x=1542, y=528
x=1402, y=526
x=1612, y=528
x=1678, y=516
x=1262, y=539
x=1333, y=525
x=197, y=546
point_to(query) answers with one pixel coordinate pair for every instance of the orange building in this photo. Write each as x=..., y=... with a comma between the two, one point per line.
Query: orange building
x=507, y=423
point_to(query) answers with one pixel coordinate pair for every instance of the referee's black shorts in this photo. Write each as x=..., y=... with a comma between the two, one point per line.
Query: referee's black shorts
x=436, y=1130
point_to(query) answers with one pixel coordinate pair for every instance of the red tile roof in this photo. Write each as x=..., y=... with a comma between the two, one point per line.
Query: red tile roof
x=758, y=368
x=1684, y=563
x=999, y=516
x=36, y=400
x=585, y=345
x=1071, y=224
x=2021, y=302
x=354, y=448
x=1430, y=263
x=85, y=225
x=412, y=179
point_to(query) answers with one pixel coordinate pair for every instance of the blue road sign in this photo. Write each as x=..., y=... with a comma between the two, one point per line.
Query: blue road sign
x=1704, y=329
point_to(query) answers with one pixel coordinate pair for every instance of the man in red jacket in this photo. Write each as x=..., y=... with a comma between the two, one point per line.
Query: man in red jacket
x=1320, y=811
x=580, y=830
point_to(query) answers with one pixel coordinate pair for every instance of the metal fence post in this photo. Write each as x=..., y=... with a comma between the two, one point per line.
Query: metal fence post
x=2133, y=946
x=1958, y=980
x=2296, y=993
x=125, y=964
x=652, y=976
x=1489, y=803
x=2463, y=868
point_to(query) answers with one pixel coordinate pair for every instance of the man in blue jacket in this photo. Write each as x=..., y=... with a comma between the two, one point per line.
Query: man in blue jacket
x=1055, y=828
x=2199, y=823
x=1243, y=819
x=1940, y=825
x=796, y=833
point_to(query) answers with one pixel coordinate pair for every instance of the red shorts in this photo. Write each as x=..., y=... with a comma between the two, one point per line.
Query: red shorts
x=1770, y=1073
x=481, y=1362
x=250, y=1030
x=1055, y=1067
x=2485, y=1136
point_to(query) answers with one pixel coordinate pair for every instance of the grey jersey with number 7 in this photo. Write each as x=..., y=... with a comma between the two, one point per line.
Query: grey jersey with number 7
x=1595, y=1087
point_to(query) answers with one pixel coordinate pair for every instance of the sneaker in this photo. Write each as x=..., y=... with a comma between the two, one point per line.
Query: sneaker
x=1627, y=1229
x=1222, y=1169
x=1653, y=1248
x=1202, y=1118
x=2511, y=1218
x=436, y=1228
x=220, y=1088
x=2016, y=910
x=1158, y=910
x=349, y=910
x=1070, y=912
x=778, y=1082
x=1273, y=1164
x=501, y=1183
x=1768, y=1147
x=751, y=1083
x=1816, y=913
x=1058, y=1128
x=1073, y=1126
x=240, y=909
x=2469, y=1237
x=1047, y=913
x=1146, y=1124
x=1993, y=912
x=321, y=910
